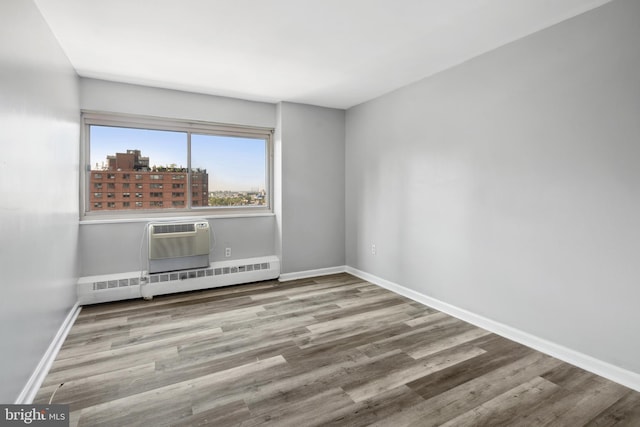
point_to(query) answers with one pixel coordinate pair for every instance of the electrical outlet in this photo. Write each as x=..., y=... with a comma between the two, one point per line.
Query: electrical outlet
x=373, y=249
x=227, y=252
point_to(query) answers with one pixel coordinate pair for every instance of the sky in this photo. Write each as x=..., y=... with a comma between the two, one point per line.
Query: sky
x=233, y=163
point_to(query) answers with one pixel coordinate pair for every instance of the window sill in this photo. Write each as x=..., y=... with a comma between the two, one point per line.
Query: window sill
x=151, y=218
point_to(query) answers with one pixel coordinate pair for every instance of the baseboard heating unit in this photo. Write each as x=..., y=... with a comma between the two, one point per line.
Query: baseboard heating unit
x=116, y=287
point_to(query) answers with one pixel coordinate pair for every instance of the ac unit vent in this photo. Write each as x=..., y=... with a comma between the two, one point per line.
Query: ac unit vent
x=174, y=228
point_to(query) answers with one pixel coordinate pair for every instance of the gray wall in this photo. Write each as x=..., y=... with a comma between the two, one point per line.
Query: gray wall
x=311, y=177
x=508, y=185
x=100, y=95
x=107, y=248
x=39, y=131
x=116, y=247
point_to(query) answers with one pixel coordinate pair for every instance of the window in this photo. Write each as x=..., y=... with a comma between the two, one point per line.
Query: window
x=223, y=168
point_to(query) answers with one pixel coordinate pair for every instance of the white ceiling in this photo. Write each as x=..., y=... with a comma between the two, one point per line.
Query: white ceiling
x=334, y=53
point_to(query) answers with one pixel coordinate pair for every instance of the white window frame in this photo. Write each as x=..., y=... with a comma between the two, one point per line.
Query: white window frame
x=91, y=118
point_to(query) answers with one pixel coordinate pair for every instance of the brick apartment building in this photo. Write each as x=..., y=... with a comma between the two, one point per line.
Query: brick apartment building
x=127, y=182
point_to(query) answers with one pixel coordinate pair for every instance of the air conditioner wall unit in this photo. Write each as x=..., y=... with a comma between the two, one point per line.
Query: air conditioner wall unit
x=178, y=246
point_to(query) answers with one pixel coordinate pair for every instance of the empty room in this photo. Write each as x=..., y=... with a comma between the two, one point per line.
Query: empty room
x=311, y=213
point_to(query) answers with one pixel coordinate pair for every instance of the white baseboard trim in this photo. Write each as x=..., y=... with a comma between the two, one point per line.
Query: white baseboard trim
x=312, y=273
x=604, y=369
x=35, y=381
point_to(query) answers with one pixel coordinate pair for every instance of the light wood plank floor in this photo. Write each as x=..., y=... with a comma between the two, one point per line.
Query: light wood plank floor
x=332, y=350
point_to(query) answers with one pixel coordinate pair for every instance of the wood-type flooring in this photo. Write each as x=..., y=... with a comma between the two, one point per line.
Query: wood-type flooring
x=326, y=351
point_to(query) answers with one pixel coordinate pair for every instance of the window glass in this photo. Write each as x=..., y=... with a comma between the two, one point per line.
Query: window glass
x=204, y=169
x=228, y=171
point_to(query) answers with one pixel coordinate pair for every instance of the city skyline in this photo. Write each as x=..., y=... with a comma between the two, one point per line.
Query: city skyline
x=233, y=163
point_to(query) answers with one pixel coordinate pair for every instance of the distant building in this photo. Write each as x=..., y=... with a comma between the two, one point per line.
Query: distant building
x=128, y=183
x=131, y=160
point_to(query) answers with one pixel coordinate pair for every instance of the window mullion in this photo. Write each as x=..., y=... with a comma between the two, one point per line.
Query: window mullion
x=189, y=195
